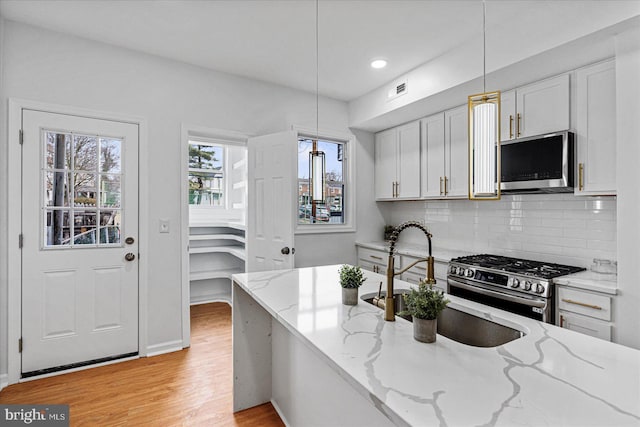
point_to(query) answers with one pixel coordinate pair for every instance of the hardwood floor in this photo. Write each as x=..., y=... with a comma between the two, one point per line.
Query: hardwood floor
x=192, y=387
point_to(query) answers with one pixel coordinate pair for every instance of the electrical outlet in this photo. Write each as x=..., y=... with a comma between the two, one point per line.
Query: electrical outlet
x=164, y=225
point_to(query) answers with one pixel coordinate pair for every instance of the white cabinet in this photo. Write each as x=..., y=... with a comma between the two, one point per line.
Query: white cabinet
x=584, y=311
x=596, y=129
x=397, y=162
x=215, y=253
x=432, y=152
x=456, y=153
x=418, y=272
x=535, y=109
x=373, y=260
x=445, y=154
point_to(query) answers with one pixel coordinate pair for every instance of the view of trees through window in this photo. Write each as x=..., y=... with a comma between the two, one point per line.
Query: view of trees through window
x=82, y=189
x=206, y=174
x=331, y=211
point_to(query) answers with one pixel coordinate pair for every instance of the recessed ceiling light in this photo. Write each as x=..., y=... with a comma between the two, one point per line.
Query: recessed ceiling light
x=378, y=63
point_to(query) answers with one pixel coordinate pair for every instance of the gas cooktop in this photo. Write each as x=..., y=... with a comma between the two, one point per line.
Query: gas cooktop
x=542, y=270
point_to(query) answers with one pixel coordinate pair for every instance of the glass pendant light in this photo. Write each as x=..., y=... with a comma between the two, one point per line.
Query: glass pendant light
x=484, y=136
x=317, y=176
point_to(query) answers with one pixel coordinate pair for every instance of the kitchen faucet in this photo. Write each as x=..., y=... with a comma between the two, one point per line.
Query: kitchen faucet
x=388, y=303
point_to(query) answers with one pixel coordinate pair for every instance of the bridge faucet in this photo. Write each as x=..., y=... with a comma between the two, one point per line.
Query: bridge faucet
x=389, y=303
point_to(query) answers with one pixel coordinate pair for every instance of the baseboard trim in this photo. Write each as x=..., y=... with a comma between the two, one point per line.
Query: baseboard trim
x=4, y=380
x=280, y=414
x=165, y=347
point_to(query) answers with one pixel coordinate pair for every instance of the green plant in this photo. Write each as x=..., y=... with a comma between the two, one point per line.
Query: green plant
x=424, y=302
x=351, y=276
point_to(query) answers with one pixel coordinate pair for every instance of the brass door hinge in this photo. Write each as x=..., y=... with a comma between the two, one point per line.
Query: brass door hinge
x=21, y=137
x=20, y=241
x=20, y=345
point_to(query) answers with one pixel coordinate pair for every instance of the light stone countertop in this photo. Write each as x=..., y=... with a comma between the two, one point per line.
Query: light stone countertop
x=551, y=376
x=589, y=280
x=418, y=251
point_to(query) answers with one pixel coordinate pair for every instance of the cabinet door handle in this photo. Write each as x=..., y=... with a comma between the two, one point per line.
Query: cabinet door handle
x=570, y=301
x=510, y=126
x=376, y=257
x=561, y=321
x=445, y=186
x=441, y=186
x=580, y=176
x=518, y=124
x=397, y=189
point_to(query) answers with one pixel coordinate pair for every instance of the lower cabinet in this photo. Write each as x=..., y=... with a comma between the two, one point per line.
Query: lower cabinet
x=418, y=272
x=373, y=260
x=584, y=311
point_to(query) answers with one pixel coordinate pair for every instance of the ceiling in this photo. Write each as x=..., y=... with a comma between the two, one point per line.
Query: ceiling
x=274, y=40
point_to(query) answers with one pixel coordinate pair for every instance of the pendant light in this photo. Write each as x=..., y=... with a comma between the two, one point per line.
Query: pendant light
x=317, y=176
x=484, y=135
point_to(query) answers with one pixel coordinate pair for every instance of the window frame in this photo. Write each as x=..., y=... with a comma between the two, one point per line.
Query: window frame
x=225, y=181
x=348, y=178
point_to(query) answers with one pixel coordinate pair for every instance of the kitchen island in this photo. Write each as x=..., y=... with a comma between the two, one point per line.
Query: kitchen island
x=322, y=363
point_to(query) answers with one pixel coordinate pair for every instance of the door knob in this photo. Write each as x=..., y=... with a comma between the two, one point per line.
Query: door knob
x=285, y=250
x=130, y=256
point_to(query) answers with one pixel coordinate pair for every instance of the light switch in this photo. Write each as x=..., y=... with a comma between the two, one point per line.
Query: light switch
x=164, y=225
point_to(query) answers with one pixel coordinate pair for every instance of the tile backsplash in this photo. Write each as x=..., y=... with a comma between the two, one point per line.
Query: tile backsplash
x=560, y=228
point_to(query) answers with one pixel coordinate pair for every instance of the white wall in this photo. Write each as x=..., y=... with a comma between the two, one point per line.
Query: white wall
x=556, y=228
x=49, y=67
x=627, y=311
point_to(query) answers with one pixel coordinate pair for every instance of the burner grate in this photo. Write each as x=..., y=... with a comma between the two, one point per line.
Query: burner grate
x=524, y=267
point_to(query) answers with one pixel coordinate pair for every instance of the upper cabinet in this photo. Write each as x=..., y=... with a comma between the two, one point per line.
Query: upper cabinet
x=444, y=149
x=596, y=129
x=456, y=153
x=535, y=109
x=432, y=151
x=397, y=162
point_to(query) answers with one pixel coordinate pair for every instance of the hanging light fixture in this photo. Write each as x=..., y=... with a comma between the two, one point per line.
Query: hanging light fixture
x=317, y=176
x=484, y=135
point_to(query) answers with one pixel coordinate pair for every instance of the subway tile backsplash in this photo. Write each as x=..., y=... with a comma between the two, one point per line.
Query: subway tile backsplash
x=560, y=228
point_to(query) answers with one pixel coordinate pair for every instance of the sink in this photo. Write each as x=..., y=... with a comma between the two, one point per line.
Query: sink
x=460, y=326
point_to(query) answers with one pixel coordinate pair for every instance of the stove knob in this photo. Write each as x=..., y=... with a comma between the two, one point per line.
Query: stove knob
x=459, y=270
x=539, y=288
x=527, y=285
x=515, y=283
x=469, y=273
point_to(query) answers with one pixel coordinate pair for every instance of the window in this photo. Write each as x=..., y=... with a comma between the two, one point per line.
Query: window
x=332, y=209
x=82, y=192
x=206, y=174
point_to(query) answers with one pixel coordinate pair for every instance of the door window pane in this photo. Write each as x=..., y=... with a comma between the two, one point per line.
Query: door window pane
x=56, y=189
x=110, y=191
x=81, y=206
x=110, y=155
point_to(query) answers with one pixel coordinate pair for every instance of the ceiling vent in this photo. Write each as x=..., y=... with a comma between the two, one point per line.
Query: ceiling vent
x=398, y=89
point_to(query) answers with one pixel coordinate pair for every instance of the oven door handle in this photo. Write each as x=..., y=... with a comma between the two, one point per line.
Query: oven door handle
x=500, y=295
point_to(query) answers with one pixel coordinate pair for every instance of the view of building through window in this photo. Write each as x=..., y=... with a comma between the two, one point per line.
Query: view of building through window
x=332, y=210
x=206, y=174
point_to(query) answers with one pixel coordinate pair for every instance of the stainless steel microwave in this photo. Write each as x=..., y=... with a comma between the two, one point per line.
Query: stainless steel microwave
x=539, y=164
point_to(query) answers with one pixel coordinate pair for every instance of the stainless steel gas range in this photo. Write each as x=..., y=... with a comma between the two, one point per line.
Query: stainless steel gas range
x=516, y=285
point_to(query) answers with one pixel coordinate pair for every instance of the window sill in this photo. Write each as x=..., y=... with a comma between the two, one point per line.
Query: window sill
x=324, y=229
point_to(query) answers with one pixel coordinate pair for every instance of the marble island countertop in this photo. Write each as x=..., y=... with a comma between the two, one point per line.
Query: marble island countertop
x=550, y=376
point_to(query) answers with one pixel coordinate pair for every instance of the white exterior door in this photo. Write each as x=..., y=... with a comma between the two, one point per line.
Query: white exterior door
x=270, y=205
x=80, y=241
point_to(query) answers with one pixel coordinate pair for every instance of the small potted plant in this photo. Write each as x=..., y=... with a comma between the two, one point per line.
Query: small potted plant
x=424, y=304
x=351, y=278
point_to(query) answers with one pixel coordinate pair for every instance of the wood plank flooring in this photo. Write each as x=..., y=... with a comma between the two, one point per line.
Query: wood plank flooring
x=192, y=387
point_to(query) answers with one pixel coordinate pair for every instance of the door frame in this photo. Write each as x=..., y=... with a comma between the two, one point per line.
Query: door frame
x=188, y=131
x=14, y=221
